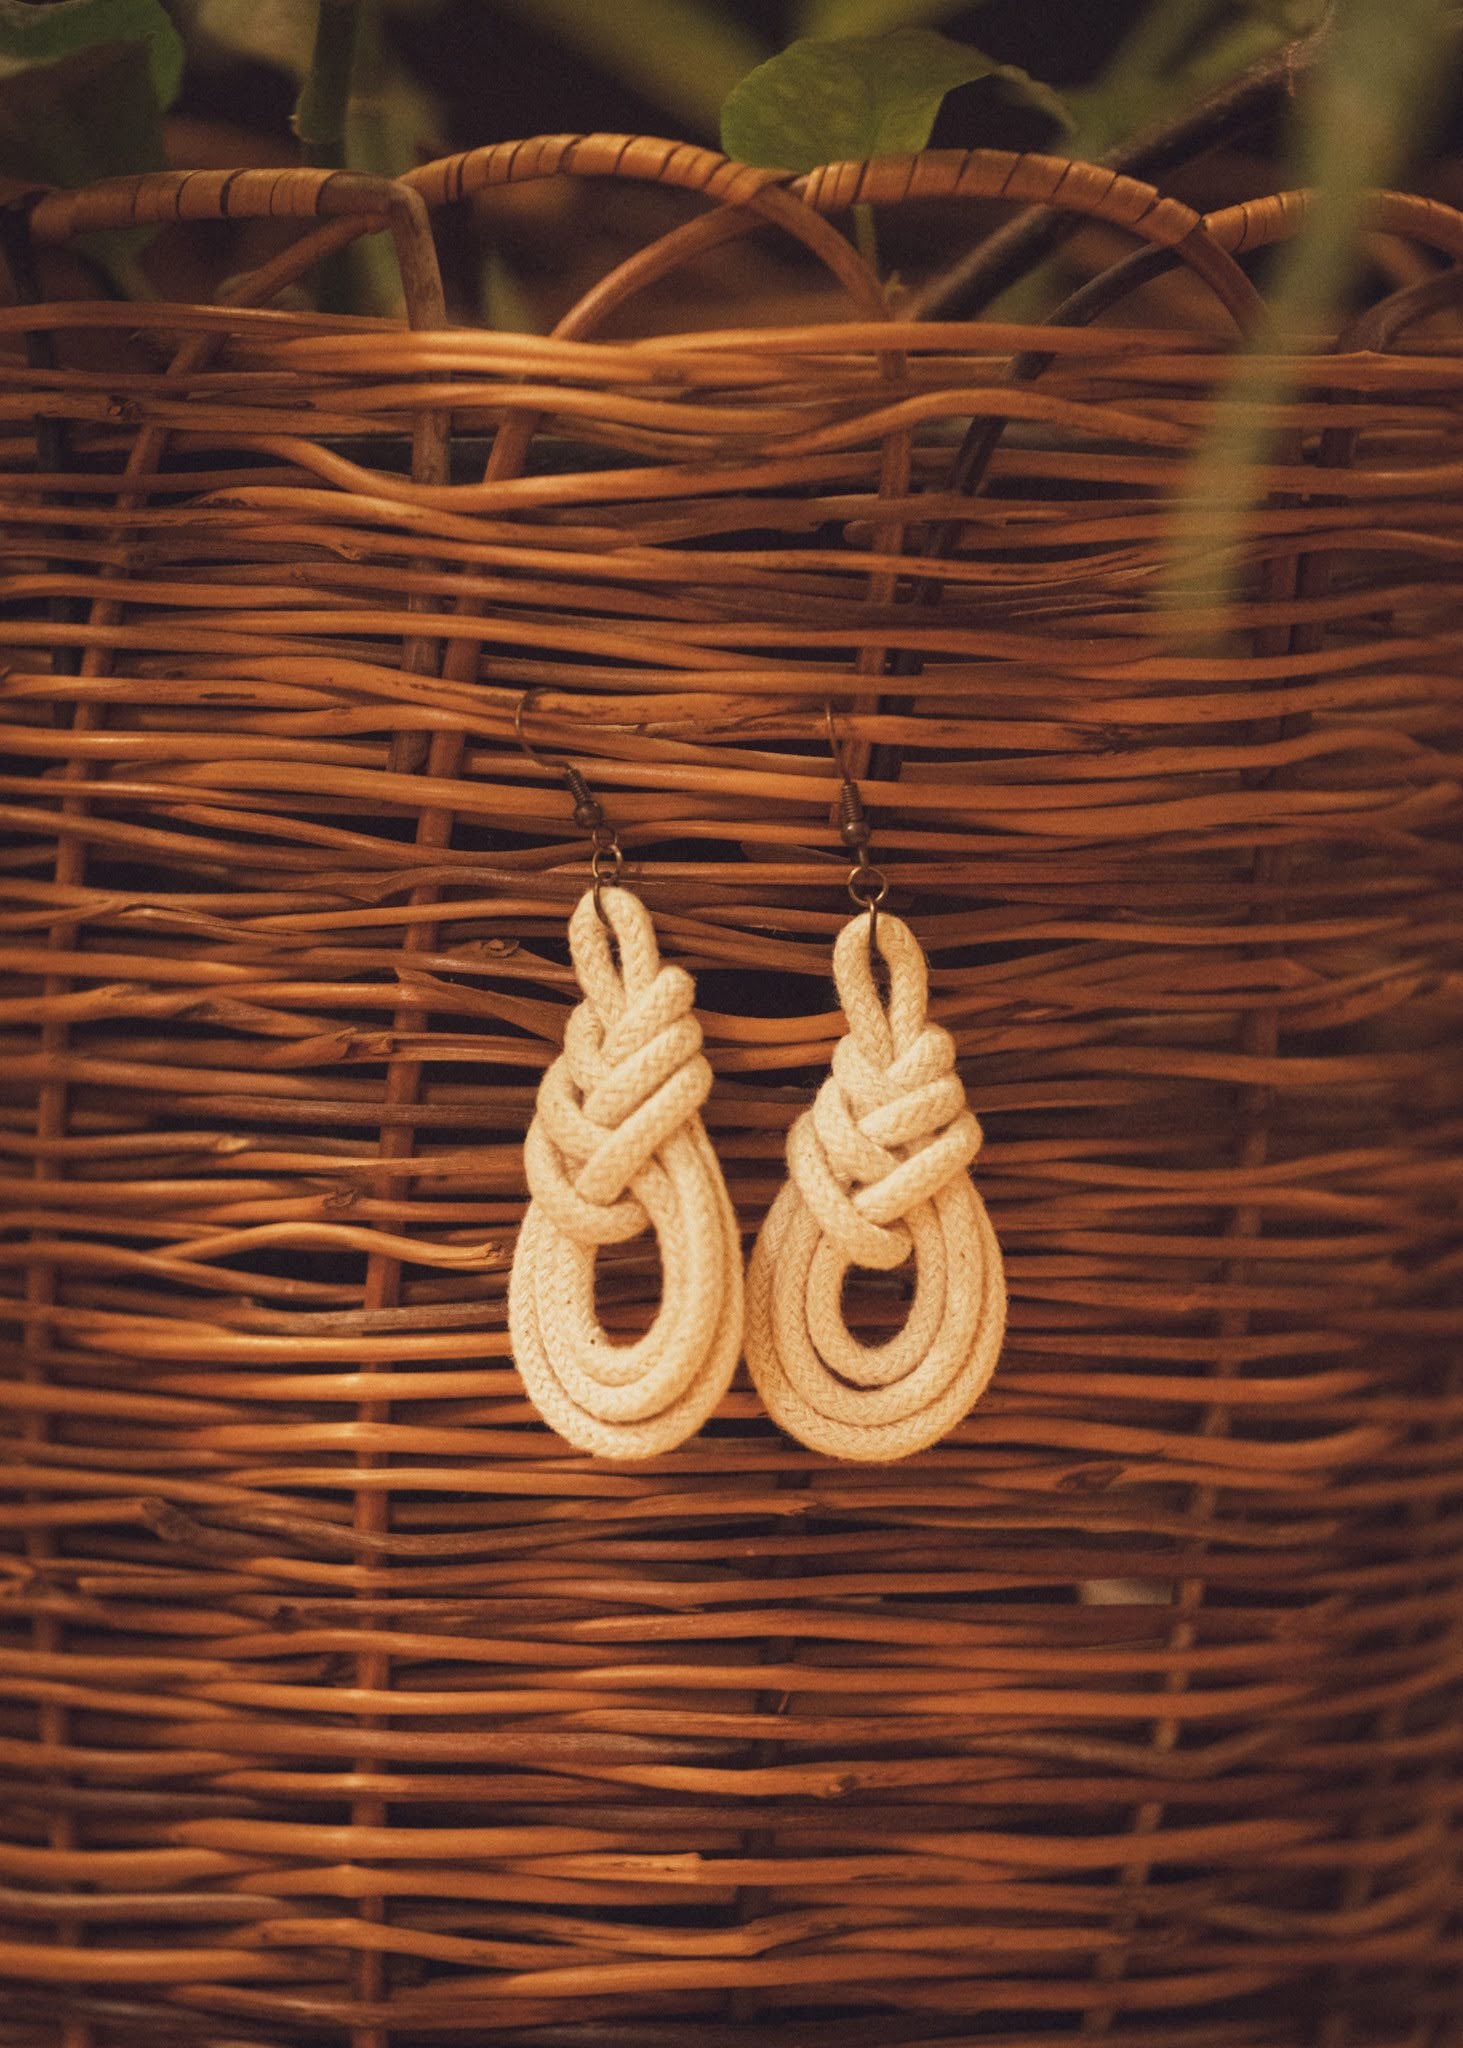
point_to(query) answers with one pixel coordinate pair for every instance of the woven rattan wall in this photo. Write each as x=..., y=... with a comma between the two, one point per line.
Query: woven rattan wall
x=341, y=1702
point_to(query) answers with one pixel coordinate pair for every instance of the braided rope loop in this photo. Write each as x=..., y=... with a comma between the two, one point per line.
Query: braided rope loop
x=878, y=1172
x=617, y=1146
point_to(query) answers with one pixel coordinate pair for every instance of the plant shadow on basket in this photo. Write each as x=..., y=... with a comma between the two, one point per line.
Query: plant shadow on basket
x=346, y=1702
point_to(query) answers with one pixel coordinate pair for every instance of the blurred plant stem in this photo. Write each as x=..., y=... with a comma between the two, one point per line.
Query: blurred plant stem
x=1367, y=112
x=1154, y=49
x=319, y=124
x=320, y=111
x=1113, y=131
x=866, y=237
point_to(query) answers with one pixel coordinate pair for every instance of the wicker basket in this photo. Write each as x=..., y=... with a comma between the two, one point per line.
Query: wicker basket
x=342, y=1702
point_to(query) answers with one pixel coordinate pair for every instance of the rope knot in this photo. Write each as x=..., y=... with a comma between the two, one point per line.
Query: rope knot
x=616, y=1147
x=890, y=1127
x=631, y=1073
x=877, y=1174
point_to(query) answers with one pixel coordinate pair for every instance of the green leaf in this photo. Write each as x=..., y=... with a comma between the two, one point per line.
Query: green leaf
x=92, y=114
x=67, y=28
x=1366, y=113
x=851, y=97
x=82, y=87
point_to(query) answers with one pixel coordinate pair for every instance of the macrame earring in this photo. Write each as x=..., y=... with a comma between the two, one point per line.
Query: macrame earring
x=878, y=1171
x=617, y=1146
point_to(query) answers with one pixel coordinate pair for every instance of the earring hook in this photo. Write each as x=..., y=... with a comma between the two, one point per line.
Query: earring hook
x=606, y=860
x=520, y=712
x=868, y=884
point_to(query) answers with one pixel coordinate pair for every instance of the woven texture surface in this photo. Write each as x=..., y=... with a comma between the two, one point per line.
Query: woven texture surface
x=342, y=1702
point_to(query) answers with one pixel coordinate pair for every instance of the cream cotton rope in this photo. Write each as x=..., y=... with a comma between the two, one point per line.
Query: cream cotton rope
x=877, y=1170
x=617, y=1144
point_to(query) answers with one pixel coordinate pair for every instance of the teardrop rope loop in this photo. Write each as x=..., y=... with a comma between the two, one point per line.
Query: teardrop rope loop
x=878, y=1172
x=617, y=1146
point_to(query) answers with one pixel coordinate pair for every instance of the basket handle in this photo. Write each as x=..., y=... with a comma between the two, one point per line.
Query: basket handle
x=747, y=194
x=1024, y=177
x=290, y=194
x=1257, y=223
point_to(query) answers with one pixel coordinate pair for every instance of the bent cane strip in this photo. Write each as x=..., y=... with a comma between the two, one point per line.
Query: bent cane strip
x=617, y=1145
x=878, y=1171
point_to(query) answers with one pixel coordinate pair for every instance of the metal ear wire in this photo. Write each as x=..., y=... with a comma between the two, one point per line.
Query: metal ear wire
x=868, y=884
x=606, y=860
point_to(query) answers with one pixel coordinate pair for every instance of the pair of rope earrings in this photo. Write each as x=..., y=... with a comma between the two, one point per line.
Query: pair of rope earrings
x=878, y=1173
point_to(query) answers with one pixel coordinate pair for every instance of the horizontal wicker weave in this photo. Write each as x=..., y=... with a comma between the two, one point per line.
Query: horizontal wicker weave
x=341, y=1702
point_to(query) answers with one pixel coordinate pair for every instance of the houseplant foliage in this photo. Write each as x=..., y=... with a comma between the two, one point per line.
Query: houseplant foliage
x=88, y=82
x=858, y=78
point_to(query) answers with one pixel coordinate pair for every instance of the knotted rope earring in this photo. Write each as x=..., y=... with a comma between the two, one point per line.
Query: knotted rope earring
x=617, y=1146
x=878, y=1171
